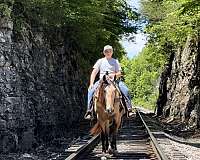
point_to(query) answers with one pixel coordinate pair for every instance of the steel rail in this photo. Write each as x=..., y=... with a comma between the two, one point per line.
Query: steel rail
x=159, y=151
x=91, y=143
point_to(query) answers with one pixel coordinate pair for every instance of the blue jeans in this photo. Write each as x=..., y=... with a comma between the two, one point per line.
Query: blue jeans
x=123, y=88
x=90, y=95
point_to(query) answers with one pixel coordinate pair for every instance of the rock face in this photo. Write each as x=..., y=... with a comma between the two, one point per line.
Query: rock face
x=179, y=97
x=41, y=92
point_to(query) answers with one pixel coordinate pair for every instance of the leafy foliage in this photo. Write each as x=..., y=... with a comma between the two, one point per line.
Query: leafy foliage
x=179, y=20
x=5, y=9
x=141, y=75
x=88, y=24
x=169, y=24
x=88, y=21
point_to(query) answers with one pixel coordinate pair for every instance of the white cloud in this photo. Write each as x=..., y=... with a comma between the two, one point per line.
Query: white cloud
x=134, y=48
x=134, y=3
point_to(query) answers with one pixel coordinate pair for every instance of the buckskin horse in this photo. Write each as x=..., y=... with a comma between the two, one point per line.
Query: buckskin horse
x=109, y=112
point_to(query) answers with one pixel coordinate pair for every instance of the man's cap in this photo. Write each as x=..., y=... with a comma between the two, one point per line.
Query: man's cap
x=107, y=47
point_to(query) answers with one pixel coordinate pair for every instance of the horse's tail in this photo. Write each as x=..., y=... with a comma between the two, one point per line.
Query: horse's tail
x=96, y=129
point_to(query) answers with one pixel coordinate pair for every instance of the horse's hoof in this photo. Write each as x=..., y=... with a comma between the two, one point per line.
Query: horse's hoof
x=104, y=151
x=103, y=158
x=115, y=152
x=110, y=151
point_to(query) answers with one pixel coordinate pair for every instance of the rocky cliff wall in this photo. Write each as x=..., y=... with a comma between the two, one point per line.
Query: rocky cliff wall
x=41, y=91
x=179, y=97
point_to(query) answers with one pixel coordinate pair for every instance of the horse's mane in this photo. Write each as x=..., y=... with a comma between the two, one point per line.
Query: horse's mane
x=100, y=92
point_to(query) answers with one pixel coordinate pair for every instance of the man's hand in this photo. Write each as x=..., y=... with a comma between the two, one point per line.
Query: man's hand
x=111, y=75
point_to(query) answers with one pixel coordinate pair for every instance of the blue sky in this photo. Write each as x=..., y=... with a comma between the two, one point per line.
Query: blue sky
x=133, y=48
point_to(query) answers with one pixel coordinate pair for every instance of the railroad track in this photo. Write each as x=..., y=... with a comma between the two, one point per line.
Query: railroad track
x=166, y=142
x=135, y=141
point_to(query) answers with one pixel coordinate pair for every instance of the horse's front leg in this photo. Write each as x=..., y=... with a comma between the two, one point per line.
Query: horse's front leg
x=107, y=141
x=113, y=141
x=113, y=138
x=107, y=133
x=103, y=142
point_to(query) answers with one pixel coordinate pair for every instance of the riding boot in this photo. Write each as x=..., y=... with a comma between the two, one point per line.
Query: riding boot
x=129, y=108
x=89, y=114
x=130, y=114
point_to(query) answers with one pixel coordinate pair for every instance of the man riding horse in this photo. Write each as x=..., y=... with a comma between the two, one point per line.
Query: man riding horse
x=112, y=66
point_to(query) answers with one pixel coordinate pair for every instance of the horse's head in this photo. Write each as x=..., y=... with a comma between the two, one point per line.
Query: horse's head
x=110, y=93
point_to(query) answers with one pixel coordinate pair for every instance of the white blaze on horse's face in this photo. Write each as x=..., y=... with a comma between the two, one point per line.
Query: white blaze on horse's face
x=110, y=97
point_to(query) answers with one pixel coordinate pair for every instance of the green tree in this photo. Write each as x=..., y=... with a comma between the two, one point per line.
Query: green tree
x=142, y=73
x=88, y=24
x=169, y=24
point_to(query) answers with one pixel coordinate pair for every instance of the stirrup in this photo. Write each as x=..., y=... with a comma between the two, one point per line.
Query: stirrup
x=130, y=114
x=88, y=115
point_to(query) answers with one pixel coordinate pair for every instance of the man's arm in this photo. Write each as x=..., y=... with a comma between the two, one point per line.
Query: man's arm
x=92, y=77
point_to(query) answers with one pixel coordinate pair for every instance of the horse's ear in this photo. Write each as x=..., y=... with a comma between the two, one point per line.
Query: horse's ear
x=104, y=78
x=115, y=77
